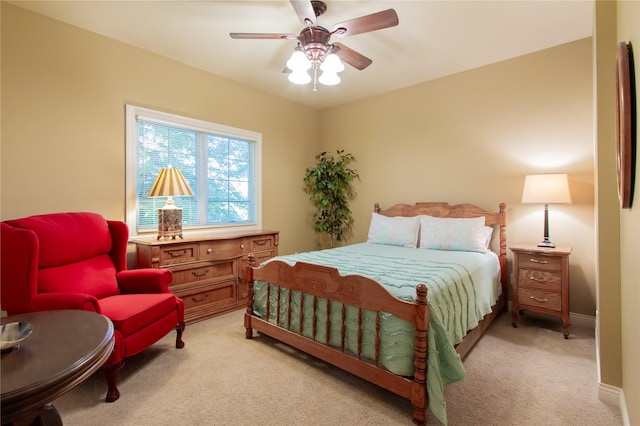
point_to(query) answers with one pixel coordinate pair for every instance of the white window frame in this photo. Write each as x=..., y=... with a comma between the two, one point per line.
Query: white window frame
x=131, y=201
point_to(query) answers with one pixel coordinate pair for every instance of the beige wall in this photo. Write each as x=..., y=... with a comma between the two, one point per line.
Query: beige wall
x=607, y=220
x=628, y=30
x=618, y=230
x=472, y=137
x=64, y=92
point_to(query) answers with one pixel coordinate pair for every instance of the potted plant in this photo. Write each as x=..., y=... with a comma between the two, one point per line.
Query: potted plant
x=329, y=185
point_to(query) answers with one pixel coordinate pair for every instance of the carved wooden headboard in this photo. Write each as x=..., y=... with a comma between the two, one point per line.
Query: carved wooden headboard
x=496, y=219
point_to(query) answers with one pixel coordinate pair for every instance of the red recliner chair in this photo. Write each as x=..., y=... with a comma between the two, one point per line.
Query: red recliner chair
x=78, y=261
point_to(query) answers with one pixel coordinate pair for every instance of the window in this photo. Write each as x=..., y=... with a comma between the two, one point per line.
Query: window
x=221, y=164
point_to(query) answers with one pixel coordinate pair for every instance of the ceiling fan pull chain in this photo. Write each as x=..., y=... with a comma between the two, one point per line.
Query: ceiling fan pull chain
x=315, y=78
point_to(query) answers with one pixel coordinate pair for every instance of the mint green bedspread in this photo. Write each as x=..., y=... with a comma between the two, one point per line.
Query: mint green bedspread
x=462, y=287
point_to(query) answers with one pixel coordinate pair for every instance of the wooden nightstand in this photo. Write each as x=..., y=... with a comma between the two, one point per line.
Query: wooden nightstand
x=541, y=282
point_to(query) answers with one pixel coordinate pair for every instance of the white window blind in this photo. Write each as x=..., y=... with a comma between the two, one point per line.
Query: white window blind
x=221, y=164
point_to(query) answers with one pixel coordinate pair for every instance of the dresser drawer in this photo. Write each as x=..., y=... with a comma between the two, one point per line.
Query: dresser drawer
x=220, y=294
x=543, y=280
x=221, y=249
x=539, y=299
x=536, y=261
x=178, y=253
x=203, y=271
x=257, y=244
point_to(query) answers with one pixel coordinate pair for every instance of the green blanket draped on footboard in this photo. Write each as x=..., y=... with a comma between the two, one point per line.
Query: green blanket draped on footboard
x=462, y=287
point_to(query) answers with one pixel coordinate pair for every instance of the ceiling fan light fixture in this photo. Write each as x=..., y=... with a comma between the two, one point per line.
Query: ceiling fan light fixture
x=315, y=49
x=300, y=76
x=329, y=78
x=332, y=64
x=298, y=62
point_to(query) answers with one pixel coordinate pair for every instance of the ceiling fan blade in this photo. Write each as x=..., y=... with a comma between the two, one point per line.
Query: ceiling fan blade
x=352, y=57
x=263, y=36
x=364, y=24
x=305, y=12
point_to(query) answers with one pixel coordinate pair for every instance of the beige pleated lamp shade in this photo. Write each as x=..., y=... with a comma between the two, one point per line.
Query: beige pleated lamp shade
x=170, y=182
x=546, y=189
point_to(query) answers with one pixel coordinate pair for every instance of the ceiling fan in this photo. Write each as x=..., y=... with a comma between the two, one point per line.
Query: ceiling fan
x=314, y=49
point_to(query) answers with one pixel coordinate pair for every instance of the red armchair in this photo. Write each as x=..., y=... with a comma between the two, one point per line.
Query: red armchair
x=78, y=261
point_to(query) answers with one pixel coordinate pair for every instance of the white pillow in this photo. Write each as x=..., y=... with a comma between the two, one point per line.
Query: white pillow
x=396, y=231
x=488, y=233
x=456, y=234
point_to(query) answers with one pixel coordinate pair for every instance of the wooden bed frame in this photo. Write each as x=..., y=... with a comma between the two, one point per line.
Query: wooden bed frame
x=364, y=293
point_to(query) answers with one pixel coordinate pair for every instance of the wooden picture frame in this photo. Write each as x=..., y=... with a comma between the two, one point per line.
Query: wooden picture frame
x=625, y=126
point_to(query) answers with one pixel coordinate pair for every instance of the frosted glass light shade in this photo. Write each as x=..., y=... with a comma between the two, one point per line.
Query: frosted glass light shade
x=332, y=64
x=299, y=77
x=298, y=61
x=329, y=78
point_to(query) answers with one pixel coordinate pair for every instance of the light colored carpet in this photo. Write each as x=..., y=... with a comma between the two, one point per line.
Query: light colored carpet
x=525, y=376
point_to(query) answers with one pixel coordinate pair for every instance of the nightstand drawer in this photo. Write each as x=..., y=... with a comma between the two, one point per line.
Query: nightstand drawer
x=539, y=298
x=543, y=280
x=534, y=261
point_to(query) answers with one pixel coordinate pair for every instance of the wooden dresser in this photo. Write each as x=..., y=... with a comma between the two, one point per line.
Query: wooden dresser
x=208, y=269
x=541, y=282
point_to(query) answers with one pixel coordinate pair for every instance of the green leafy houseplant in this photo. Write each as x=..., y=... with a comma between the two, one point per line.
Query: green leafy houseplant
x=329, y=185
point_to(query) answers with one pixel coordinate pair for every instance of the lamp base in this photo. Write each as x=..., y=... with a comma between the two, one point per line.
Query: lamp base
x=169, y=223
x=546, y=243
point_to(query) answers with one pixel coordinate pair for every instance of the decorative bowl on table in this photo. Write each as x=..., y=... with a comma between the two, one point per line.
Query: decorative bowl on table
x=12, y=334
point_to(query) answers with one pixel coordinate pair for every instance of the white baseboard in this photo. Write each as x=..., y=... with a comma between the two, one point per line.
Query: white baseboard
x=614, y=396
x=607, y=393
x=583, y=320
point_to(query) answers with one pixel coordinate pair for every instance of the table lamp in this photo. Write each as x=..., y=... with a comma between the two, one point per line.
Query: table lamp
x=546, y=189
x=169, y=183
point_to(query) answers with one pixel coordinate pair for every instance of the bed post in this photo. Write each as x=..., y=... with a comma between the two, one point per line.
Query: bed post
x=419, y=396
x=251, y=262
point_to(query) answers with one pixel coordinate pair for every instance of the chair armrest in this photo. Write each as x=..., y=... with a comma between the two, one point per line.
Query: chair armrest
x=146, y=280
x=58, y=301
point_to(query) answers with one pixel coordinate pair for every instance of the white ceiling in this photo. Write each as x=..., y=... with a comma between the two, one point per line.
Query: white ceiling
x=433, y=39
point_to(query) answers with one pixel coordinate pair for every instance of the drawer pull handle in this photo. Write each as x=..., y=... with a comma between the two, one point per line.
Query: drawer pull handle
x=537, y=299
x=534, y=278
x=261, y=242
x=240, y=278
x=200, y=299
x=200, y=274
x=241, y=246
x=209, y=250
x=177, y=253
x=543, y=262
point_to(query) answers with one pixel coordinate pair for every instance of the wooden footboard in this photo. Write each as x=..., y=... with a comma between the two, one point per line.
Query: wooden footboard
x=354, y=290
